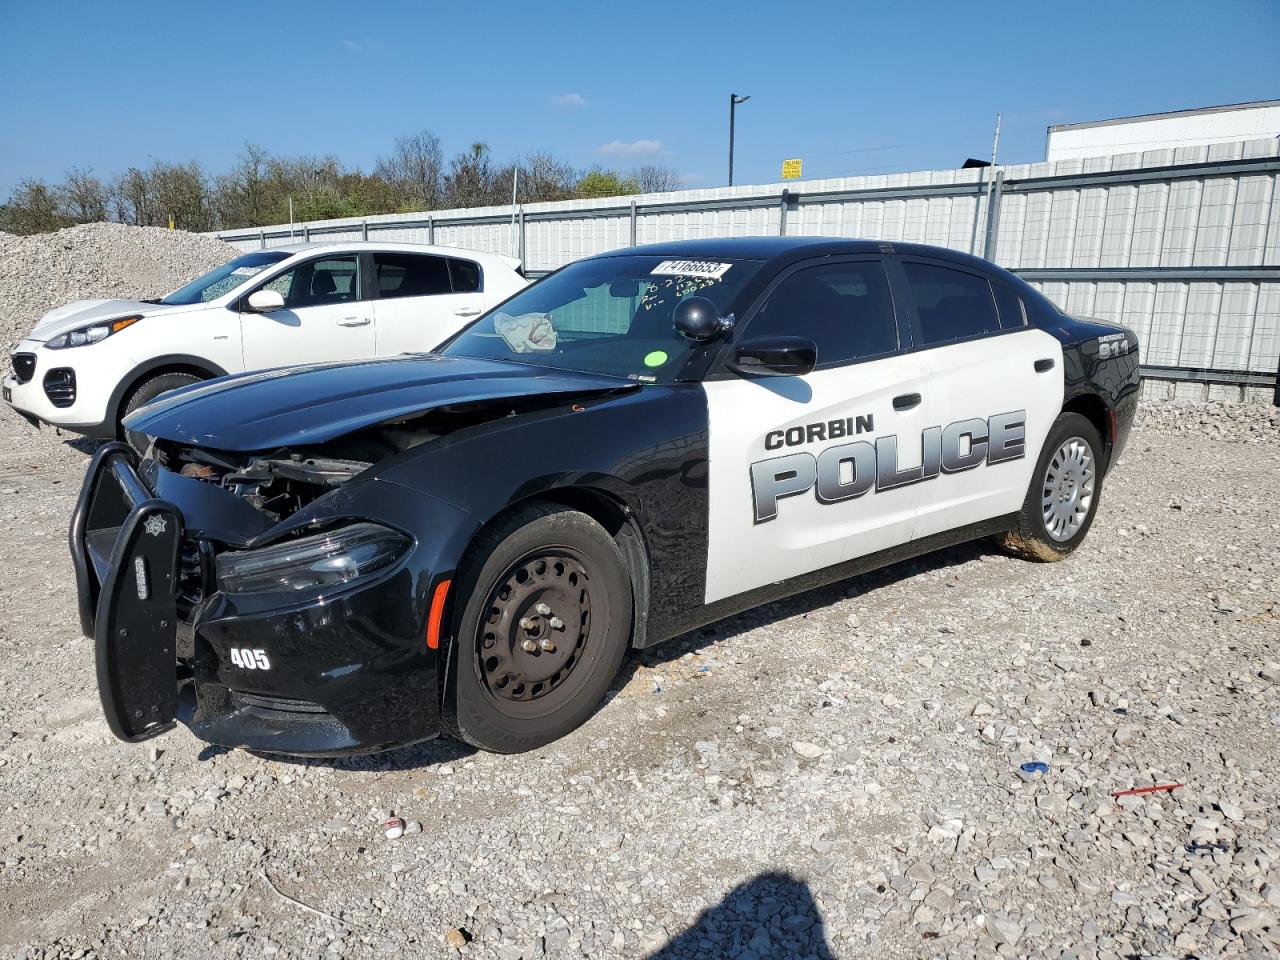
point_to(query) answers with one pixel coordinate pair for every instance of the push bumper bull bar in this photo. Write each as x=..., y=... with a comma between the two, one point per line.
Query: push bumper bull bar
x=125, y=547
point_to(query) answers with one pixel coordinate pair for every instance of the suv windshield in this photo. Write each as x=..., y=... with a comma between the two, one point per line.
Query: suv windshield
x=225, y=278
x=610, y=315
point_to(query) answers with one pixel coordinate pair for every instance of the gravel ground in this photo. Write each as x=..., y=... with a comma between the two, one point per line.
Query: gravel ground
x=836, y=775
x=93, y=261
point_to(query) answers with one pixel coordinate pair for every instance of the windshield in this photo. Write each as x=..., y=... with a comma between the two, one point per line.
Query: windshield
x=610, y=315
x=225, y=278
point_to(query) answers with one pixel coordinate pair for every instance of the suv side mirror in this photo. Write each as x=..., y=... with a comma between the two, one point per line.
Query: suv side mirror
x=774, y=357
x=264, y=301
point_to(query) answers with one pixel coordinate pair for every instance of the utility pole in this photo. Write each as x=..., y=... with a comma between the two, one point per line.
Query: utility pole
x=515, y=187
x=734, y=100
x=991, y=171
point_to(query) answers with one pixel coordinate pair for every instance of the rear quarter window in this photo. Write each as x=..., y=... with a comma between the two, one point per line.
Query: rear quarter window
x=466, y=275
x=1012, y=313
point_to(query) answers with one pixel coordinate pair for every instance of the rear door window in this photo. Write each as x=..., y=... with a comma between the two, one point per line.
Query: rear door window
x=951, y=304
x=410, y=275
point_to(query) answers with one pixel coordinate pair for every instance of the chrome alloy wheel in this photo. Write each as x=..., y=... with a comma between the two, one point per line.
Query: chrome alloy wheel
x=1067, y=491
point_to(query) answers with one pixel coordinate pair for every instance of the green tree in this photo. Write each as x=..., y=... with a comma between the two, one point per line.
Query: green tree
x=181, y=191
x=605, y=183
x=32, y=208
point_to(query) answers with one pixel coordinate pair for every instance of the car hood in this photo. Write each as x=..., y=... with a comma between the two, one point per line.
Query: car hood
x=299, y=406
x=84, y=312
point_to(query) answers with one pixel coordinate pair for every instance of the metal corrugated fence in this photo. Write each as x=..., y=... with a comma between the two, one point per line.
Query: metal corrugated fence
x=1183, y=245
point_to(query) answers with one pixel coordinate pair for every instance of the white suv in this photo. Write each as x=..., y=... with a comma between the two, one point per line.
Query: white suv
x=86, y=365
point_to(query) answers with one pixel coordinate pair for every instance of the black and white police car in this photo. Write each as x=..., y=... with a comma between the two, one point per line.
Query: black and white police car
x=355, y=556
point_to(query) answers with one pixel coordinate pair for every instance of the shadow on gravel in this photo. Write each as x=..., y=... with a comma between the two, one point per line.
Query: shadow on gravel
x=771, y=915
x=86, y=445
x=429, y=753
x=798, y=605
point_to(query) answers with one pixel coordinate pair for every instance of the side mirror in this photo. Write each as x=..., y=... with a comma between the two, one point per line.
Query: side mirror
x=698, y=319
x=264, y=301
x=774, y=357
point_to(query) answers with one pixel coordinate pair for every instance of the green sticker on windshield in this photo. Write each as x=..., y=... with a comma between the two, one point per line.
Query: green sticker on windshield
x=655, y=359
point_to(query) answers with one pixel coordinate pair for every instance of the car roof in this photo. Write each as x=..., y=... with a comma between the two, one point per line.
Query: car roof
x=786, y=249
x=348, y=246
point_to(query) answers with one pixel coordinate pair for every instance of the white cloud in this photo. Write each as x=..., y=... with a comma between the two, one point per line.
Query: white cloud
x=633, y=148
x=364, y=46
x=569, y=101
x=690, y=179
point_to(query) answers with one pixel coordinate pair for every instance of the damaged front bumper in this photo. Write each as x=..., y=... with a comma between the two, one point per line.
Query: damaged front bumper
x=348, y=671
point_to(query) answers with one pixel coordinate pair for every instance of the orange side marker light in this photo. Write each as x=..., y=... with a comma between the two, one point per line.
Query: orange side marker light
x=436, y=616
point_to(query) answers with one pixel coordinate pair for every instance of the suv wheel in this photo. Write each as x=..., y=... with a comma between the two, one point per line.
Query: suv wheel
x=143, y=394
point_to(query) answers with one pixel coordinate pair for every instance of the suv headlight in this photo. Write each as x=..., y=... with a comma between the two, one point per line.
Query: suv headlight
x=90, y=334
x=325, y=560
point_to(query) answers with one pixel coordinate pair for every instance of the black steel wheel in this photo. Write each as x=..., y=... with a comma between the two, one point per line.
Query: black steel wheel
x=536, y=628
x=544, y=626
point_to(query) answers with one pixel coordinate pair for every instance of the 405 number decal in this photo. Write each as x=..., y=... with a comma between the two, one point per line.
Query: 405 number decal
x=247, y=659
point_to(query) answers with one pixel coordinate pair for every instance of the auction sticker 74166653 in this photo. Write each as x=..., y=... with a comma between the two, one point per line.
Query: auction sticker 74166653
x=691, y=268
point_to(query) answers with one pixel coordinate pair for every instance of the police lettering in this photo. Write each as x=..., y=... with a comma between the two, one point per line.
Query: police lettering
x=849, y=470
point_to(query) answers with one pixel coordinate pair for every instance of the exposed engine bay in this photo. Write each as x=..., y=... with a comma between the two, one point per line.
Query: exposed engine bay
x=281, y=482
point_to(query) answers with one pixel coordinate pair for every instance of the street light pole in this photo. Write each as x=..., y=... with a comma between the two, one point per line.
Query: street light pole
x=734, y=100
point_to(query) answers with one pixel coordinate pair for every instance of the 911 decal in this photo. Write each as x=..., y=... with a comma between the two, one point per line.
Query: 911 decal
x=962, y=445
x=247, y=659
x=1112, y=345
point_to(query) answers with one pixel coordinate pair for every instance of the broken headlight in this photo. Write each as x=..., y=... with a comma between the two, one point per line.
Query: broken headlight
x=325, y=560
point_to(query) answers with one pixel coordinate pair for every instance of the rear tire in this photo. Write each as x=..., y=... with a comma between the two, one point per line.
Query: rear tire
x=143, y=394
x=1065, y=491
x=545, y=624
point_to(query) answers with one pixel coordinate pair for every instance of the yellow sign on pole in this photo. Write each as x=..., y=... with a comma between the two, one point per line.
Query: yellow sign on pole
x=791, y=168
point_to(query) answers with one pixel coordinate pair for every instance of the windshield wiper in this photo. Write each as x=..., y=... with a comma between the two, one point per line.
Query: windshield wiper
x=152, y=300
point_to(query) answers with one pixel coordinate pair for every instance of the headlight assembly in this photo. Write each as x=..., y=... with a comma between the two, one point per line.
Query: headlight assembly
x=325, y=560
x=90, y=334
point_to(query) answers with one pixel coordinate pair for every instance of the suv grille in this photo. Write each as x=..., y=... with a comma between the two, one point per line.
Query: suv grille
x=24, y=366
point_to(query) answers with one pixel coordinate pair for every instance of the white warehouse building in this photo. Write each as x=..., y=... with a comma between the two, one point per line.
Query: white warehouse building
x=1158, y=131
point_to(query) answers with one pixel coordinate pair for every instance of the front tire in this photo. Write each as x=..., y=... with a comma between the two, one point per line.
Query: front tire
x=143, y=394
x=1066, y=488
x=544, y=627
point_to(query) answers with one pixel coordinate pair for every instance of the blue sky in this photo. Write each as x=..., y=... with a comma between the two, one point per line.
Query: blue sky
x=850, y=87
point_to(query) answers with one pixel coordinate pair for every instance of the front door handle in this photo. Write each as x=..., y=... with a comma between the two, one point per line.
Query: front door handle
x=353, y=322
x=1044, y=366
x=907, y=401
x=466, y=312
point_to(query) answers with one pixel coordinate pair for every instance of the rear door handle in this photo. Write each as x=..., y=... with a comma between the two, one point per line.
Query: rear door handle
x=1044, y=366
x=466, y=311
x=353, y=322
x=907, y=401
